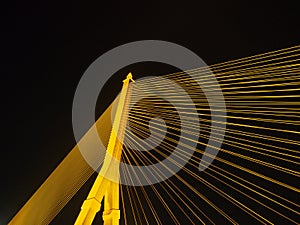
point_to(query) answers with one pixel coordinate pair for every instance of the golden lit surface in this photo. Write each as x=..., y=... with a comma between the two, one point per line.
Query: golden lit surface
x=261, y=94
x=103, y=187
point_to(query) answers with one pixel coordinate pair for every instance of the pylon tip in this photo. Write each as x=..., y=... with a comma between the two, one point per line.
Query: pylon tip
x=129, y=77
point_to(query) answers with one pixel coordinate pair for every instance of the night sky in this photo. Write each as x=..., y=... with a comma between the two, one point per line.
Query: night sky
x=47, y=46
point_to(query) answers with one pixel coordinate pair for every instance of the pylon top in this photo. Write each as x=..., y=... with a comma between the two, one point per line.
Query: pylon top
x=128, y=78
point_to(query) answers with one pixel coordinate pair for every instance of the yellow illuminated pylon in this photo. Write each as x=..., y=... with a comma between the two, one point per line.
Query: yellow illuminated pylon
x=104, y=187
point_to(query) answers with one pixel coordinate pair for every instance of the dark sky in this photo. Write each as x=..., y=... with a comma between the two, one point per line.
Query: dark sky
x=47, y=46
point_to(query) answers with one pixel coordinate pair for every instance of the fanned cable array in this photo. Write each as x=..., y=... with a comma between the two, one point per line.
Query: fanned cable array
x=253, y=178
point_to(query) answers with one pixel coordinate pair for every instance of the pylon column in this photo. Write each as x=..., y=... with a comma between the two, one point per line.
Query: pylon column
x=104, y=187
